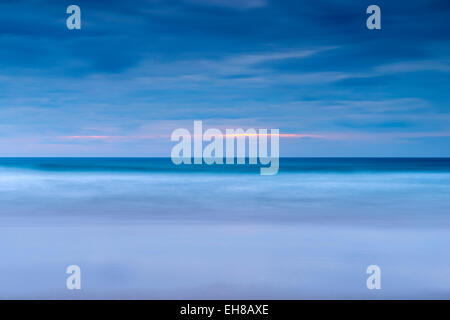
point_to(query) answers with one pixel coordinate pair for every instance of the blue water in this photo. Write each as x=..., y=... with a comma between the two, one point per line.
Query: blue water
x=153, y=165
x=145, y=228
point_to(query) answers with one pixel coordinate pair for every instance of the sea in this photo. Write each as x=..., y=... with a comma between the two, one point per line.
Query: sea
x=144, y=228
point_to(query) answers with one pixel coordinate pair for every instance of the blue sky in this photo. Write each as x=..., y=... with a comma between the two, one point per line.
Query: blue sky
x=137, y=70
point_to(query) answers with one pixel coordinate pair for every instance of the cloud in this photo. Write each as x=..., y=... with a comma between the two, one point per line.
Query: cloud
x=256, y=58
x=414, y=66
x=382, y=136
x=139, y=69
x=234, y=4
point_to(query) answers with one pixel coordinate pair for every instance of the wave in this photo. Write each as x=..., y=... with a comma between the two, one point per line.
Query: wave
x=290, y=165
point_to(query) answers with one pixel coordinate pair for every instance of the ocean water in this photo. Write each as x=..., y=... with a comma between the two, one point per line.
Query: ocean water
x=144, y=228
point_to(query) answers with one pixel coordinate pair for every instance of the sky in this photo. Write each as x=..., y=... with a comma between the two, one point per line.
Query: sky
x=137, y=70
